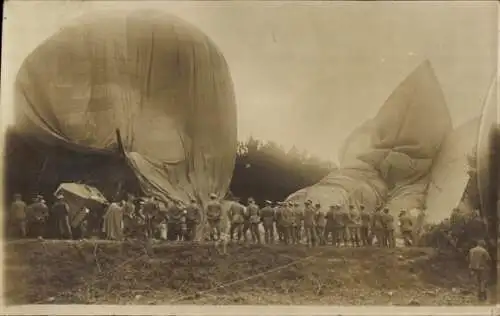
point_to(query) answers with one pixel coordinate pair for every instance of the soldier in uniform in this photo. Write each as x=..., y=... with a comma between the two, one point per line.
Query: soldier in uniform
x=378, y=228
x=354, y=225
x=298, y=218
x=343, y=220
x=279, y=222
x=365, y=226
x=38, y=213
x=193, y=218
x=141, y=231
x=320, y=223
x=388, y=222
x=479, y=264
x=128, y=216
x=246, y=224
x=236, y=218
x=175, y=216
x=406, y=227
x=287, y=218
x=309, y=223
x=150, y=210
x=60, y=211
x=254, y=212
x=214, y=216
x=267, y=214
x=330, y=225
x=293, y=239
x=18, y=216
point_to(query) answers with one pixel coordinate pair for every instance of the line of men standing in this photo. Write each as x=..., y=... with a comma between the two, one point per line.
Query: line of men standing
x=122, y=219
x=292, y=223
x=37, y=220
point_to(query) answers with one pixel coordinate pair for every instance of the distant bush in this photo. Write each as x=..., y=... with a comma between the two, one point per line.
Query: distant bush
x=457, y=233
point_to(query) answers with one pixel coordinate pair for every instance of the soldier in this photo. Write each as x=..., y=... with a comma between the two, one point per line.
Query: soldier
x=365, y=226
x=141, y=231
x=287, y=218
x=150, y=210
x=236, y=218
x=479, y=264
x=214, y=215
x=378, y=228
x=175, y=217
x=60, y=211
x=320, y=221
x=309, y=223
x=406, y=227
x=388, y=221
x=278, y=210
x=18, y=216
x=343, y=220
x=293, y=239
x=113, y=220
x=193, y=218
x=79, y=223
x=298, y=218
x=254, y=212
x=330, y=225
x=37, y=212
x=246, y=224
x=128, y=216
x=354, y=225
x=267, y=214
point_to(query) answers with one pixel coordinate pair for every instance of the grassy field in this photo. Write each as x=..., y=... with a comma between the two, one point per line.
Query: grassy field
x=101, y=272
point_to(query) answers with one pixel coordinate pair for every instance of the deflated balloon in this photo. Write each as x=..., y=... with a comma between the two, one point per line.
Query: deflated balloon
x=387, y=160
x=158, y=80
x=488, y=138
x=450, y=172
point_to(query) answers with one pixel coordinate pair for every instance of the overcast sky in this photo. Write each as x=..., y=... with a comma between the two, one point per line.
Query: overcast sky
x=306, y=74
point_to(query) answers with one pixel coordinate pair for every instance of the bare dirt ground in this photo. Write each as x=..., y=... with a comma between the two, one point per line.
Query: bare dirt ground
x=100, y=272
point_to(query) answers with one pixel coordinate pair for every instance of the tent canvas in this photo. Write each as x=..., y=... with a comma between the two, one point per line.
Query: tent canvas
x=79, y=196
x=83, y=191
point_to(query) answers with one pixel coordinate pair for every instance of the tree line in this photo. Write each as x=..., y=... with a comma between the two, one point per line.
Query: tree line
x=266, y=171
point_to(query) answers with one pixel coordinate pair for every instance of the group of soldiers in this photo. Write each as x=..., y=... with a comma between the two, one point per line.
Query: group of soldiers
x=294, y=223
x=144, y=218
x=38, y=220
x=285, y=222
x=134, y=218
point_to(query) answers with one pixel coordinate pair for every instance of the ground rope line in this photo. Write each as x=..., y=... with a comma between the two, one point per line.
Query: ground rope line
x=245, y=279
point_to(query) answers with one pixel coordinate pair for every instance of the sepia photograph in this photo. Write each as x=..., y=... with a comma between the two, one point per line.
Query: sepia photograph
x=250, y=153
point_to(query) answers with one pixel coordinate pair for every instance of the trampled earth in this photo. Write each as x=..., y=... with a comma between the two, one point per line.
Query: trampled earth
x=102, y=272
